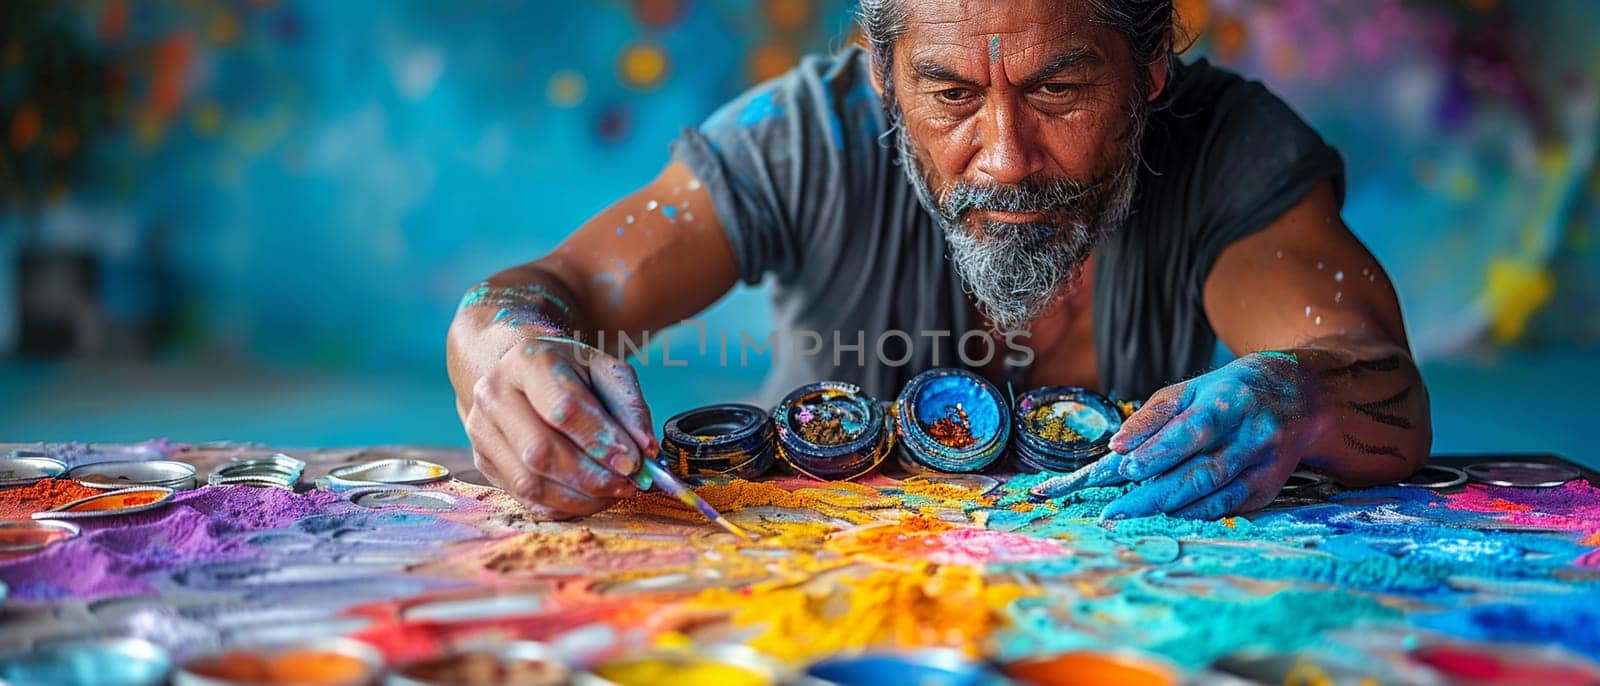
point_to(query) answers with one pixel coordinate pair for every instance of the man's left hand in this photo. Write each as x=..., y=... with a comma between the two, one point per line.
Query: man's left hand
x=1218, y=444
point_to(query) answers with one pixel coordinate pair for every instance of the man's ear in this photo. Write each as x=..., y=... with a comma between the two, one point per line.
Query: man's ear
x=1158, y=77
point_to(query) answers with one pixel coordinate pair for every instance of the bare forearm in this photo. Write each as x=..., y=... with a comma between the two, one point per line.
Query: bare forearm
x=500, y=313
x=1372, y=421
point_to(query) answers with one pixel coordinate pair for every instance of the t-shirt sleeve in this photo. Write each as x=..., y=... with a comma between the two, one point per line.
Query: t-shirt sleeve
x=757, y=157
x=1260, y=159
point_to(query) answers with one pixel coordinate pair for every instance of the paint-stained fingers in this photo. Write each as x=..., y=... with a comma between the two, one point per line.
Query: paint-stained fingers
x=617, y=386
x=1175, y=489
x=565, y=402
x=549, y=454
x=1101, y=472
x=490, y=471
x=493, y=456
x=488, y=446
x=1227, y=500
x=1204, y=424
x=533, y=448
x=1162, y=406
x=1264, y=482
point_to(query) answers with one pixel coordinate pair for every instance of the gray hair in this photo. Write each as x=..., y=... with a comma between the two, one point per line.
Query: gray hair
x=1147, y=24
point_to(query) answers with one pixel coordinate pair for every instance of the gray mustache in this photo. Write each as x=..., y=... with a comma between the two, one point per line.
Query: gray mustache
x=1025, y=197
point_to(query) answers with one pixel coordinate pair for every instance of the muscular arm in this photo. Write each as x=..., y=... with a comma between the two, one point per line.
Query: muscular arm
x=558, y=424
x=1305, y=286
x=1325, y=380
x=634, y=268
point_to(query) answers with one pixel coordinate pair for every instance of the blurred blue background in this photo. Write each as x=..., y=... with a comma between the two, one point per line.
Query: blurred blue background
x=252, y=220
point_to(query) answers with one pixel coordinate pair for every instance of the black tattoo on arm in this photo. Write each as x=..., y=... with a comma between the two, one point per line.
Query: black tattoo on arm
x=1381, y=410
x=1385, y=450
x=1382, y=364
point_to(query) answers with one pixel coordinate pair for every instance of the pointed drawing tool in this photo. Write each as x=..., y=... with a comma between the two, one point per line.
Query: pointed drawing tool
x=652, y=471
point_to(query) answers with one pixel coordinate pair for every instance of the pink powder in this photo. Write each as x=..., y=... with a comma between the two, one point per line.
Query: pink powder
x=980, y=546
x=1571, y=507
x=114, y=553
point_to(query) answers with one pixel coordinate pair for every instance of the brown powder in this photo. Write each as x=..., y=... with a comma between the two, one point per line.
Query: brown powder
x=824, y=431
x=954, y=430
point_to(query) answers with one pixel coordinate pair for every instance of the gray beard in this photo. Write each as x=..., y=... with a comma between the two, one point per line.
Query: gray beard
x=1015, y=270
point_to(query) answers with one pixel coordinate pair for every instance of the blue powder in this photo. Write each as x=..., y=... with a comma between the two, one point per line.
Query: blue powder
x=1566, y=620
x=1188, y=628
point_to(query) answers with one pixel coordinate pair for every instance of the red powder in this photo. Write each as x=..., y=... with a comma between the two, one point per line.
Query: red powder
x=22, y=501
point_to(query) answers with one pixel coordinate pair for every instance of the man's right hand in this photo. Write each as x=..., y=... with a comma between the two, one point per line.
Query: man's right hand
x=560, y=426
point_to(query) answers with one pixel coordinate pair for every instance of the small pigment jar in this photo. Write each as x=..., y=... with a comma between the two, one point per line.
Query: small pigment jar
x=951, y=420
x=830, y=430
x=730, y=439
x=1062, y=428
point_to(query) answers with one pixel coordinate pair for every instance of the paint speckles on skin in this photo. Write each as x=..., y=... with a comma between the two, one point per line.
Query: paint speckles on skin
x=994, y=49
x=651, y=206
x=694, y=184
x=671, y=213
x=1338, y=276
x=616, y=280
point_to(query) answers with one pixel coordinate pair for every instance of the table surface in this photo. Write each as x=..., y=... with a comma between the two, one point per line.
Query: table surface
x=1352, y=580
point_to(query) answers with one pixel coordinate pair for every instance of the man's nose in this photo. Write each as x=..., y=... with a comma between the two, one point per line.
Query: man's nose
x=1008, y=152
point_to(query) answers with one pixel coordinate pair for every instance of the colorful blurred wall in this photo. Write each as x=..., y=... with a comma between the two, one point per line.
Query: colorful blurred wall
x=310, y=185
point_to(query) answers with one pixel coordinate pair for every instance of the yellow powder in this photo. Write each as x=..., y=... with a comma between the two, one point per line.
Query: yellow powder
x=686, y=672
x=929, y=605
x=950, y=493
x=1229, y=522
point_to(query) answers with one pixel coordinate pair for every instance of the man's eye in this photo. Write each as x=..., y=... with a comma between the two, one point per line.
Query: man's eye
x=954, y=95
x=1059, y=88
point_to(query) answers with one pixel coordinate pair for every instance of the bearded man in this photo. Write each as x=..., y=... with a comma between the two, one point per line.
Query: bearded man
x=1043, y=178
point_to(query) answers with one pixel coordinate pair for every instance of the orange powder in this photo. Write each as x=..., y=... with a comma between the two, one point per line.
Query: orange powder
x=929, y=605
x=22, y=501
x=908, y=538
x=118, y=501
x=735, y=495
x=309, y=667
x=1592, y=539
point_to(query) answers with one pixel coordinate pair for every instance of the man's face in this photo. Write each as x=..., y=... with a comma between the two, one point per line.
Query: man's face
x=1020, y=123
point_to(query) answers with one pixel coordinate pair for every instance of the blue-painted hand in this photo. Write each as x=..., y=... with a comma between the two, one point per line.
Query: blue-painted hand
x=1218, y=444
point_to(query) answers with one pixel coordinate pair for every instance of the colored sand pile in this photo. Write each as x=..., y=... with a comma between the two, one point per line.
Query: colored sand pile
x=20, y=502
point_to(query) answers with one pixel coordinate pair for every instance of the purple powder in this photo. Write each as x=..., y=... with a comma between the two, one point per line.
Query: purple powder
x=249, y=508
x=114, y=552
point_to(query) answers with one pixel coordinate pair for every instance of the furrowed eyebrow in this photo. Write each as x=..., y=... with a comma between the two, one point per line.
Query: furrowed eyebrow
x=933, y=71
x=1075, y=57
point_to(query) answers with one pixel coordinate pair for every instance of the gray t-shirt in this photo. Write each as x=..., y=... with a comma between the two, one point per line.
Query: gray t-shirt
x=809, y=191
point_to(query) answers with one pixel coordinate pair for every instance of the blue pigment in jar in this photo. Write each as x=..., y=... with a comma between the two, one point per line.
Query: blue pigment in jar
x=729, y=439
x=830, y=430
x=1062, y=428
x=951, y=420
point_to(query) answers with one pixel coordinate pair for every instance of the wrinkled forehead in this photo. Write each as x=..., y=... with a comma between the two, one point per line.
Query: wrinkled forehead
x=951, y=31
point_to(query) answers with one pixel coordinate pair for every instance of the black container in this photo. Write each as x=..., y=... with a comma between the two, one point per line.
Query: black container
x=729, y=439
x=1093, y=417
x=863, y=439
